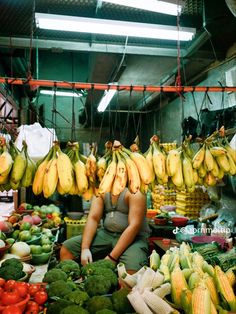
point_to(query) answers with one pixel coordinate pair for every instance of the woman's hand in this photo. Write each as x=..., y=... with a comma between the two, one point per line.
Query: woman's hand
x=86, y=256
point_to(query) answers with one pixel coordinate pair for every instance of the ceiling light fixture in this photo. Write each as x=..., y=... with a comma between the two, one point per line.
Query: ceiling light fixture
x=171, y=7
x=112, y=27
x=106, y=99
x=60, y=93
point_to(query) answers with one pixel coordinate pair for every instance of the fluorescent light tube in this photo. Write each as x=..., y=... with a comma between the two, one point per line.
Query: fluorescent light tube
x=60, y=93
x=110, y=27
x=171, y=7
x=106, y=99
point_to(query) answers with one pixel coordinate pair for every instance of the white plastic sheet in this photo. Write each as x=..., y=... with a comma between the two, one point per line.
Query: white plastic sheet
x=38, y=139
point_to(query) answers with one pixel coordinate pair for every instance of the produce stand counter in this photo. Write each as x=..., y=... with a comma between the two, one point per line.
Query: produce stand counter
x=162, y=231
x=162, y=247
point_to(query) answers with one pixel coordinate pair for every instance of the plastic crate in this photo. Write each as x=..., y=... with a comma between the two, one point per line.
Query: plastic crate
x=74, y=227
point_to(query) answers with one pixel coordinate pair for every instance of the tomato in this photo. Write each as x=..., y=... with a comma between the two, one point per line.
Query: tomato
x=32, y=307
x=22, y=289
x=40, y=297
x=1, y=291
x=9, y=284
x=12, y=309
x=2, y=282
x=10, y=297
x=33, y=288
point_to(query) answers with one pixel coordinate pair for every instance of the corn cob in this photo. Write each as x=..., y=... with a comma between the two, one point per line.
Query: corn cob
x=136, y=300
x=209, y=283
x=163, y=290
x=185, y=261
x=198, y=158
x=186, y=300
x=165, y=271
x=231, y=276
x=157, y=280
x=213, y=308
x=187, y=272
x=146, y=280
x=154, y=260
x=165, y=258
x=156, y=304
x=65, y=170
x=207, y=268
x=194, y=280
x=201, y=301
x=120, y=176
x=208, y=160
x=109, y=176
x=178, y=283
x=224, y=287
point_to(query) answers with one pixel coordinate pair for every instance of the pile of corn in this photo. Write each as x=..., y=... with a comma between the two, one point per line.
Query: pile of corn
x=190, y=203
x=163, y=195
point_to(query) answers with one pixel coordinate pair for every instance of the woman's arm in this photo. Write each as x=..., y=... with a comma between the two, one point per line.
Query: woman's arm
x=137, y=209
x=94, y=217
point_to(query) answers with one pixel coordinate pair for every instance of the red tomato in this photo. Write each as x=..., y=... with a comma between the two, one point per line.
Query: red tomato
x=10, y=297
x=1, y=291
x=2, y=282
x=32, y=307
x=33, y=288
x=12, y=309
x=22, y=289
x=31, y=312
x=40, y=297
x=9, y=284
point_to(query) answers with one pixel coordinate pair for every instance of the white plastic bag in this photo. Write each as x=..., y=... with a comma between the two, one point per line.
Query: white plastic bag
x=38, y=139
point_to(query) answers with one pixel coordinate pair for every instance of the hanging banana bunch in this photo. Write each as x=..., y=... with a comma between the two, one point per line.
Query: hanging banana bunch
x=121, y=175
x=65, y=170
x=18, y=169
x=27, y=179
x=105, y=185
x=159, y=161
x=80, y=173
x=50, y=178
x=91, y=166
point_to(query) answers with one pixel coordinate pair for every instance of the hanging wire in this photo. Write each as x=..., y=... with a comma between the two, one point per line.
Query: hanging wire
x=54, y=111
x=29, y=74
x=91, y=114
x=197, y=113
x=73, y=135
x=126, y=126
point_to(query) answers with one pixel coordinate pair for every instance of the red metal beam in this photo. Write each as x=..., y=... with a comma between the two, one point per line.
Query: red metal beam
x=98, y=86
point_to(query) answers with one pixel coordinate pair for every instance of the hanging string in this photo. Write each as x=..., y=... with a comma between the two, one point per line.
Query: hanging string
x=178, y=77
x=197, y=113
x=54, y=110
x=73, y=136
x=126, y=126
x=29, y=74
x=91, y=114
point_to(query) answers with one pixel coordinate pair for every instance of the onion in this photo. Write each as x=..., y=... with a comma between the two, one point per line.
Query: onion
x=21, y=249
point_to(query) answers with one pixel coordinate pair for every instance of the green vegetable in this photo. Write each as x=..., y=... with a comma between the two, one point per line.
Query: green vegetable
x=88, y=269
x=59, y=288
x=70, y=267
x=12, y=268
x=120, y=301
x=108, y=274
x=57, y=306
x=105, y=311
x=74, y=309
x=54, y=274
x=97, y=285
x=98, y=303
x=78, y=297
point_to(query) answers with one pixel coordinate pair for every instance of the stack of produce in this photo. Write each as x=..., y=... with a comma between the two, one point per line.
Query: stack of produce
x=190, y=203
x=181, y=281
x=163, y=195
x=17, y=169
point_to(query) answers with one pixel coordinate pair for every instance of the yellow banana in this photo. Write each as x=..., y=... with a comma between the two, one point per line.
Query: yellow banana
x=209, y=179
x=101, y=168
x=134, y=181
x=3, y=179
x=50, y=179
x=159, y=161
x=208, y=160
x=6, y=162
x=231, y=152
x=188, y=172
x=195, y=176
x=232, y=170
x=60, y=189
x=149, y=158
x=221, y=173
x=198, y=158
x=120, y=177
x=91, y=167
x=74, y=187
x=141, y=163
x=18, y=167
x=87, y=195
x=215, y=170
x=64, y=170
x=109, y=176
x=202, y=171
x=177, y=178
x=172, y=160
x=223, y=163
x=28, y=176
x=81, y=178
x=218, y=151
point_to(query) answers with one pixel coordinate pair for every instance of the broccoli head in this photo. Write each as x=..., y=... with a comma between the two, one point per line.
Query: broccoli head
x=97, y=285
x=105, y=311
x=59, y=288
x=78, y=297
x=57, y=306
x=54, y=274
x=98, y=303
x=74, y=309
x=13, y=262
x=108, y=274
x=88, y=269
x=9, y=272
x=70, y=267
x=120, y=301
